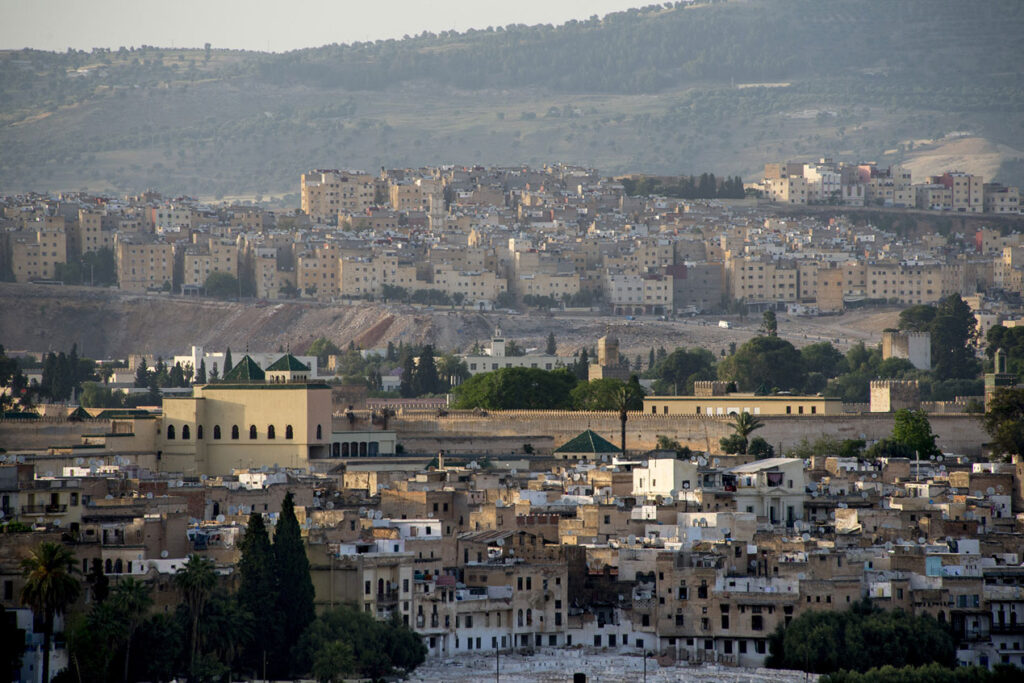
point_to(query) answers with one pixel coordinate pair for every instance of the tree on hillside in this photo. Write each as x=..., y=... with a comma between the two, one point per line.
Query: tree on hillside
x=676, y=372
x=769, y=324
x=50, y=588
x=824, y=358
x=425, y=378
x=295, y=586
x=406, y=386
x=551, y=347
x=322, y=348
x=768, y=362
x=954, y=337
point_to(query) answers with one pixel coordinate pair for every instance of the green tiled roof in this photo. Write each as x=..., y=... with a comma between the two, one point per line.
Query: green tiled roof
x=289, y=363
x=588, y=442
x=247, y=370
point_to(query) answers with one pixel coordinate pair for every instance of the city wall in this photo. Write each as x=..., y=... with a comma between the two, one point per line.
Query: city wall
x=957, y=433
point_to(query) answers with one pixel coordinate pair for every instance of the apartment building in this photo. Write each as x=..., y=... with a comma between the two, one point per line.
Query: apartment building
x=209, y=255
x=998, y=198
x=326, y=194
x=787, y=190
x=38, y=248
x=143, y=262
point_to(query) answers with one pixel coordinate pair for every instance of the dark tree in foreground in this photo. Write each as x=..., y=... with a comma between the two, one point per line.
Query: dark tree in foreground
x=295, y=587
x=50, y=588
x=1004, y=421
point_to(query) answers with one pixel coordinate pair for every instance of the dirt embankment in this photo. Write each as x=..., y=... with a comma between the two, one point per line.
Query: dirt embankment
x=110, y=324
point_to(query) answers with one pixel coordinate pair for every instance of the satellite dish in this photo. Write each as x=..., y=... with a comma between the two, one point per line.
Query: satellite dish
x=362, y=511
x=220, y=518
x=56, y=522
x=79, y=461
x=921, y=540
x=330, y=505
x=977, y=494
x=990, y=491
x=164, y=554
x=632, y=539
x=149, y=495
x=702, y=461
x=888, y=545
x=864, y=495
x=806, y=536
x=717, y=461
x=109, y=497
x=202, y=477
x=874, y=475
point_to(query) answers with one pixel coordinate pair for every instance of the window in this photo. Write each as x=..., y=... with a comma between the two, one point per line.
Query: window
x=185, y=433
x=170, y=432
x=252, y=431
x=757, y=622
x=288, y=433
x=271, y=432
x=199, y=431
x=216, y=432
x=319, y=432
x=234, y=432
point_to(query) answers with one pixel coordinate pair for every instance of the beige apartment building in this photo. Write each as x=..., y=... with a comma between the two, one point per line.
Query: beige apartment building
x=474, y=286
x=209, y=255
x=545, y=284
x=790, y=190
x=38, y=248
x=143, y=263
x=89, y=234
x=327, y=193
x=1000, y=198
x=754, y=280
x=269, y=280
x=317, y=273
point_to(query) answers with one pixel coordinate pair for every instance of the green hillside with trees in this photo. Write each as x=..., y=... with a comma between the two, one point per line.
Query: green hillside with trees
x=664, y=89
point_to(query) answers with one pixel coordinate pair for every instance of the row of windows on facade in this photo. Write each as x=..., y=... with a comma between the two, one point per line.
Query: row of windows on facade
x=186, y=433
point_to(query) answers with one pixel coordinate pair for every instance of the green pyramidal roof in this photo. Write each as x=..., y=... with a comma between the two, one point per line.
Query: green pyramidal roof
x=588, y=442
x=289, y=363
x=246, y=370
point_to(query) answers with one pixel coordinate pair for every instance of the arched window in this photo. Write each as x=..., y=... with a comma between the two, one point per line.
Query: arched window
x=271, y=432
x=118, y=566
x=529, y=617
x=216, y=431
x=234, y=431
x=519, y=617
x=319, y=432
x=170, y=432
x=186, y=433
x=252, y=431
x=108, y=567
x=288, y=433
x=199, y=431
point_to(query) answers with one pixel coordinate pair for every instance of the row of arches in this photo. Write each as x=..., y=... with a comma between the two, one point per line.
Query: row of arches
x=289, y=432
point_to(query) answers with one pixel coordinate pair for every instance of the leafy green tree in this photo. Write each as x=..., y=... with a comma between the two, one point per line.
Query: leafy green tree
x=912, y=429
x=11, y=377
x=769, y=324
x=760, y=449
x=917, y=318
x=860, y=638
x=220, y=285
x=196, y=581
x=888, y=448
x=677, y=371
x=295, y=586
x=94, y=640
x=322, y=348
x=379, y=648
x=50, y=588
x=743, y=425
x=551, y=347
x=824, y=358
x=954, y=333
x=1004, y=421
x=333, y=662
x=516, y=388
x=257, y=591
x=768, y=362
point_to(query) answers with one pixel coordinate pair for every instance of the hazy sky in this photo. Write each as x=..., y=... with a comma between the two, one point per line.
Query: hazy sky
x=275, y=25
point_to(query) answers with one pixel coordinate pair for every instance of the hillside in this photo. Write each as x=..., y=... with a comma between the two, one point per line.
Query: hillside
x=721, y=87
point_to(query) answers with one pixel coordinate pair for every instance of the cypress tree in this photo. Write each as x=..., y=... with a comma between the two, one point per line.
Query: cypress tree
x=551, y=346
x=201, y=372
x=426, y=380
x=295, y=593
x=257, y=592
x=227, y=362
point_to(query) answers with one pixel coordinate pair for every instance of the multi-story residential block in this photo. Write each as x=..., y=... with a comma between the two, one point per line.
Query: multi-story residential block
x=999, y=198
x=143, y=262
x=327, y=194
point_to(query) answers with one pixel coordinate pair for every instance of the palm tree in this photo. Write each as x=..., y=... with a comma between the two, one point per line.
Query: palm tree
x=133, y=601
x=744, y=424
x=49, y=588
x=628, y=396
x=196, y=581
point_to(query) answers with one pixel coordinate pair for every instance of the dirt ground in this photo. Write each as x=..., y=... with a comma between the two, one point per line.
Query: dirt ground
x=108, y=323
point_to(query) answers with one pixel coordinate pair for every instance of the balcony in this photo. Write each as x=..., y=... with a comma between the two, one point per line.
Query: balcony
x=44, y=509
x=387, y=597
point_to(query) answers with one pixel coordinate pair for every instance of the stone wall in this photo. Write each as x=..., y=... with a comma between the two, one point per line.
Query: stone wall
x=956, y=433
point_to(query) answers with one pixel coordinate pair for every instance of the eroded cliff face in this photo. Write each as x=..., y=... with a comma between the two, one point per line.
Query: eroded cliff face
x=107, y=323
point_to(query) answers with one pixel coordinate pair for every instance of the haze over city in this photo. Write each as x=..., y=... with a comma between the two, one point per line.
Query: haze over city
x=526, y=341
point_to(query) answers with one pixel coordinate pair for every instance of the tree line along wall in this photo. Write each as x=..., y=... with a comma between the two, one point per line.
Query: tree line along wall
x=957, y=433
